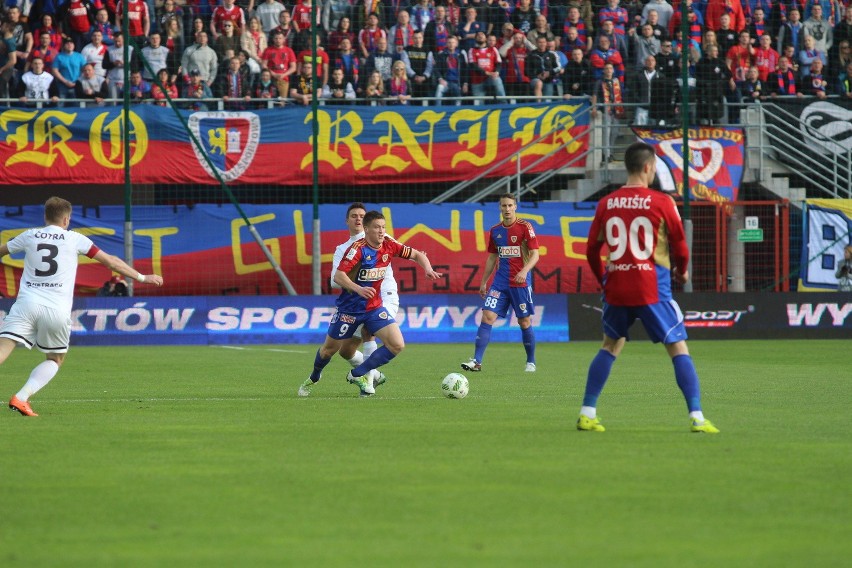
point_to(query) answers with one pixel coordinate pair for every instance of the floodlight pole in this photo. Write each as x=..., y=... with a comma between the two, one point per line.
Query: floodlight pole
x=316, y=250
x=684, y=68
x=125, y=135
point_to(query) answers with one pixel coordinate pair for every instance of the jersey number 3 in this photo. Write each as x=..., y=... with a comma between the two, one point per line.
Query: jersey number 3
x=618, y=237
x=48, y=258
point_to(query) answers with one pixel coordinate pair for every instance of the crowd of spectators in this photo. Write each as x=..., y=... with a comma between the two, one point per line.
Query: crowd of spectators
x=398, y=51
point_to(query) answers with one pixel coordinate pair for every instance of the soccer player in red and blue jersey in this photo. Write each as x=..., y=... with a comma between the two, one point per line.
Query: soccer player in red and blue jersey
x=360, y=274
x=513, y=250
x=644, y=234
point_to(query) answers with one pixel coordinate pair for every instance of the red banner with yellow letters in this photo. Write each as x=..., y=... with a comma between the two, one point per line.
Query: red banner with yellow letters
x=357, y=144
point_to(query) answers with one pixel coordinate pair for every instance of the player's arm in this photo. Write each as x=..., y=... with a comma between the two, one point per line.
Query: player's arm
x=343, y=281
x=117, y=265
x=678, y=249
x=594, y=244
x=532, y=259
x=4, y=250
x=335, y=262
x=490, y=265
x=420, y=258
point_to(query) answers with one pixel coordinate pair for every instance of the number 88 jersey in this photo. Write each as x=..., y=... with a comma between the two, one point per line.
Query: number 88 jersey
x=50, y=264
x=644, y=234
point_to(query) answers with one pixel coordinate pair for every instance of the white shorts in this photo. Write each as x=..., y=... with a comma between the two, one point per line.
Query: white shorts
x=31, y=325
x=390, y=300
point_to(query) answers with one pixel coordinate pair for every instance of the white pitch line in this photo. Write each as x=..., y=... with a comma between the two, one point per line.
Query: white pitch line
x=229, y=399
x=239, y=348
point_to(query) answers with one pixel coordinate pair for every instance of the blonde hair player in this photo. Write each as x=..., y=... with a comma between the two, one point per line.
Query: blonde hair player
x=41, y=314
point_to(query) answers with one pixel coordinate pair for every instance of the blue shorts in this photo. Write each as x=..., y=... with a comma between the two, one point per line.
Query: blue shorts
x=343, y=325
x=498, y=301
x=663, y=321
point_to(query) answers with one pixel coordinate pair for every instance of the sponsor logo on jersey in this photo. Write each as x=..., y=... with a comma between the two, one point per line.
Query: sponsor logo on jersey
x=369, y=257
x=513, y=251
x=346, y=318
x=371, y=274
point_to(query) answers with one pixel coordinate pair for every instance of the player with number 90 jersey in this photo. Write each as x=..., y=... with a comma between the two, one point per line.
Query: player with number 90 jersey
x=366, y=266
x=512, y=245
x=643, y=231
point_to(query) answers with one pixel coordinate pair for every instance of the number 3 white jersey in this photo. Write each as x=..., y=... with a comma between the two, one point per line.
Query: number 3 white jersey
x=50, y=264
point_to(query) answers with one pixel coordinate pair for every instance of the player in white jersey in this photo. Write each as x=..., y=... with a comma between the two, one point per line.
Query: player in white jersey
x=41, y=314
x=390, y=298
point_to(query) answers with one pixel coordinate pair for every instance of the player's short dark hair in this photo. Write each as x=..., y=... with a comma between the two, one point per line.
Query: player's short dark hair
x=508, y=195
x=372, y=216
x=637, y=155
x=356, y=205
x=55, y=208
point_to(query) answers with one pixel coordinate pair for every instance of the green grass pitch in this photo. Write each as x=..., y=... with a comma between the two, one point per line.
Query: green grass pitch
x=204, y=456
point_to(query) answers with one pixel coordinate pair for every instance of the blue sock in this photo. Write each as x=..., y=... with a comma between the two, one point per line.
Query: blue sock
x=598, y=374
x=319, y=365
x=687, y=380
x=528, y=336
x=483, y=336
x=379, y=357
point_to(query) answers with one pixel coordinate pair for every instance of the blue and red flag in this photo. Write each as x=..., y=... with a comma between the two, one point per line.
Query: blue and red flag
x=715, y=160
x=357, y=145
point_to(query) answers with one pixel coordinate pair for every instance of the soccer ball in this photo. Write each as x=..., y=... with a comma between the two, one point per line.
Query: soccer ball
x=455, y=385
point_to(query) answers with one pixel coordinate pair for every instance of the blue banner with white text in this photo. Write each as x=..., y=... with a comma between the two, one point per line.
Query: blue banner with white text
x=235, y=320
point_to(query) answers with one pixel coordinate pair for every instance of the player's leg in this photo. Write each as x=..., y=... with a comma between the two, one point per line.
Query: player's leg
x=616, y=323
x=496, y=303
x=6, y=347
x=19, y=326
x=391, y=303
x=664, y=323
x=383, y=326
x=349, y=348
x=341, y=328
x=522, y=302
x=370, y=344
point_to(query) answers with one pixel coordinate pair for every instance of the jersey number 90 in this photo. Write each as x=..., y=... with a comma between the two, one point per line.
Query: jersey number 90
x=619, y=238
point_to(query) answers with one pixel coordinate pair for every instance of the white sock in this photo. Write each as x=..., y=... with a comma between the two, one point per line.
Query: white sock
x=368, y=348
x=39, y=377
x=356, y=359
x=589, y=412
x=697, y=415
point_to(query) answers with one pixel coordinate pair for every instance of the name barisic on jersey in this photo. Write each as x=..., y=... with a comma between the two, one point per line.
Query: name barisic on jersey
x=628, y=203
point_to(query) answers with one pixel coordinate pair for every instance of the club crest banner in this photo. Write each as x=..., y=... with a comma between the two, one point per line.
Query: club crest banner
x=828, y=229
x=358, y=145
x=715, y=160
